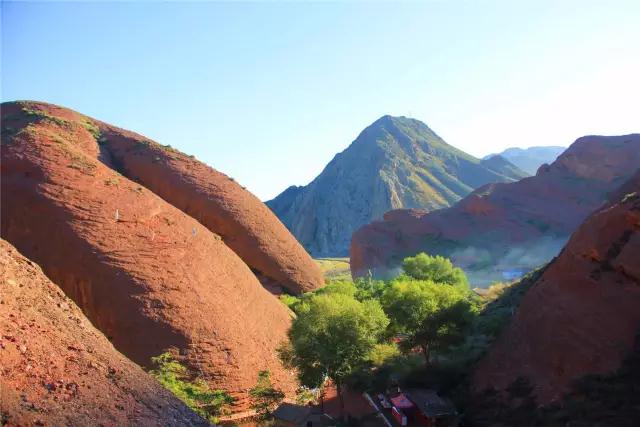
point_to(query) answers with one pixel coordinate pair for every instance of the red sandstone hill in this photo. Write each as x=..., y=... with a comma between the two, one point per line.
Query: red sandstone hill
x=57, y=369
x=581, y=316
x=219, y=203
x=504, y=225
x=146, y=274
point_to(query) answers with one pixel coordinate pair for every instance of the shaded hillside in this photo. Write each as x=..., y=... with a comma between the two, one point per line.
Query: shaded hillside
x=581, y=316
x=396, y=162
x=504, y=167
x=509, y=226
x=605, y=400
x=57, y=369
x=146, y=274
x=530, y=159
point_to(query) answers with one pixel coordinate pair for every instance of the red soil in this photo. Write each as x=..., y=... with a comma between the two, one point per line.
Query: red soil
x=582, y=315
x=499, y=216
x=146, y=274
x=57, y=369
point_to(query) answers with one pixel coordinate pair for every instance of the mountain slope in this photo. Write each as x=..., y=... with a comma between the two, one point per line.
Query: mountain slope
x=219, y=203
x=530, y=159
x=147, y=275
x=245, y=224
x=395, y=162
x=581, y=316
x=501, y=227
x=57, y=369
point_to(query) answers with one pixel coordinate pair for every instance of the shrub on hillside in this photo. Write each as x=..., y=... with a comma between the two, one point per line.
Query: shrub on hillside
x=194, y=392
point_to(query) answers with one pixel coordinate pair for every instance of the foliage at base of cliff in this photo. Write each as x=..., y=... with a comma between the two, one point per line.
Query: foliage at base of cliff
x=195, y=393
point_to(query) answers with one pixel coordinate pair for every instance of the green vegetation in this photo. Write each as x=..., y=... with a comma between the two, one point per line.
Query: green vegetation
x=499, y=304
x=265, y=398
x=424, y=327
x=383, y=353
x=332, y=335
x=437, y=269
x=368, y=334
x=335, y=268
x=427, y=315
x=44, y=116
x=93, y=129
x=88, y=124
x=194, y=392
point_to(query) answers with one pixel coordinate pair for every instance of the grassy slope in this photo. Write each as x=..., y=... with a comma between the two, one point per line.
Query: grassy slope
x=335, y=268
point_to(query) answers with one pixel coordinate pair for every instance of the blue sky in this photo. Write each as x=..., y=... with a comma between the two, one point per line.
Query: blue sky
x=270, y=92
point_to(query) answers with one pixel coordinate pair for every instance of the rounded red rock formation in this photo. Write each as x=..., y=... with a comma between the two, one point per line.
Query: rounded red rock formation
x=581, y=316
x=245, y=224
x=146, y=274
x=57, y=369
x=499, y=217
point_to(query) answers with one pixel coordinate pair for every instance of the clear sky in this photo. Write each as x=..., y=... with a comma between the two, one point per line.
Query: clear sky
x=270, y=92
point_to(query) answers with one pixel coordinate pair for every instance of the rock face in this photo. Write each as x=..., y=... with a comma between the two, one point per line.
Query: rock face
x=146, y=274
x=396, y=162
x=505, y=226
x=530, y=159
x=245, y=224
x=581, y=316
x=57, y=369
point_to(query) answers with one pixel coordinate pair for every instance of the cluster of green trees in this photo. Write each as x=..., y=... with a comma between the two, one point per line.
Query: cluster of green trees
x=346, y=326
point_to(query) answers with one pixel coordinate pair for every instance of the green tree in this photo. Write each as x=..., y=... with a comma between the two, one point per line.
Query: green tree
x=332, y=335
x=382, y=353
x=428, y=315
x=369, y=288
x=265, y=398
x=438, y=269
x=344, y=287
x=194, y=392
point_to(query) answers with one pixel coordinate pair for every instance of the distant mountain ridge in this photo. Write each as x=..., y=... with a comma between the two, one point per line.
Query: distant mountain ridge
x=396, y=162
x=504, y=228
x=530, y=159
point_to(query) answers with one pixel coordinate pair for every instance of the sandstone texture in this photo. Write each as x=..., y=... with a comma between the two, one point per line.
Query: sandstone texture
x=219, y=203
x=581, y=316
x=505, y=225
x=57, y=369
x=146, y=274
x=396, y=162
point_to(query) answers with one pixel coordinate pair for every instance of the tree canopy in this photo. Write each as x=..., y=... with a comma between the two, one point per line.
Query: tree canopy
x=437, y=269
x=331, y=336
x=427, y=315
